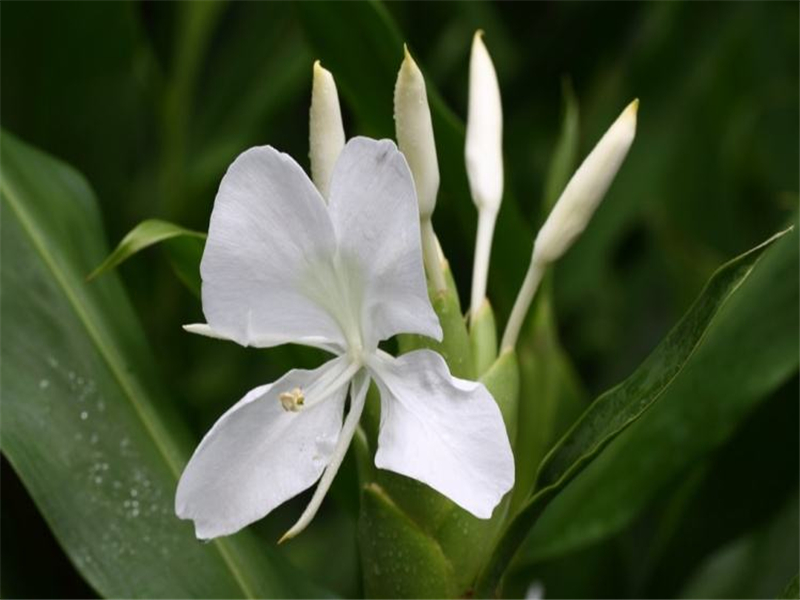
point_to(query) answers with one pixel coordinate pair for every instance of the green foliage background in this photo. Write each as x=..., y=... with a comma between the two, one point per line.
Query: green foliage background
x=152, y=101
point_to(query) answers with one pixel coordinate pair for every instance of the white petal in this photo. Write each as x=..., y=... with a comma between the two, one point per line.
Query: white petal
x=484, y=143
x=374, y=211
x=270, y=241
x=259, y=455
x=358, y=394
x=205, y=330
x=443, y=431
x=326, y=132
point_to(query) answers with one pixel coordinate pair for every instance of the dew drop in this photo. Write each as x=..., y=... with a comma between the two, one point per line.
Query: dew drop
x=44, y=384
x=84, y=415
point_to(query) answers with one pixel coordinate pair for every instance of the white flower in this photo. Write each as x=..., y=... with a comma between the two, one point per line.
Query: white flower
x=282, y=266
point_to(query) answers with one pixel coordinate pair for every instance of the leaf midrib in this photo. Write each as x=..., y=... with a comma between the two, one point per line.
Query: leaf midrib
x=117, y=371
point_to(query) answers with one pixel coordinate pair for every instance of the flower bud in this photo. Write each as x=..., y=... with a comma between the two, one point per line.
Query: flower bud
x=572, y=212
x=484, y=153
x=412, y=118
x=586, y=189
x=326, y=132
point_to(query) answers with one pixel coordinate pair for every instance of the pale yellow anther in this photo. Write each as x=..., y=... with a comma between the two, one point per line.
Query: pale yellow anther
x=292, y=401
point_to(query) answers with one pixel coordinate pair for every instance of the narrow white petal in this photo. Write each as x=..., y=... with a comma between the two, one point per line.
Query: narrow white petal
x=259, y=455
x=443, y=431
x=270, y=243
x=412, y=119
x=374, y=212
x=586, y=189
x=484, y=145
x=326, y=132
x=358, y=394
x=205, y=330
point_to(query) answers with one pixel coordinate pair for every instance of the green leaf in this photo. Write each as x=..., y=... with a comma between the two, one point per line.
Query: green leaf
x=86, y=424
x=551, y=397
x=565, y=154
x=756, y=565
x=792, y=589
x=750, y=351
x=618, y=408
x=399, y=559
x=483, y=338
x=502, y=380
x=185, y=248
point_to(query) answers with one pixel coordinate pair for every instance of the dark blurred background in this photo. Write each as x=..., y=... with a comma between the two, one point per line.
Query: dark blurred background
x=151, y=101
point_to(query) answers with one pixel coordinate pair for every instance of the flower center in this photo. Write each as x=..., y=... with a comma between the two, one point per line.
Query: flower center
x=292, y=401
x=330, y=382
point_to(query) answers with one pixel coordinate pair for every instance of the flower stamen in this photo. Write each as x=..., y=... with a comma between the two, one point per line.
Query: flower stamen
x=293, y=400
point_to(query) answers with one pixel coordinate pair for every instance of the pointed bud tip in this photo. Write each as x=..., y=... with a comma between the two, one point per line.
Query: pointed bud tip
x=409, y=64
x=633, y=107
x=320, y=71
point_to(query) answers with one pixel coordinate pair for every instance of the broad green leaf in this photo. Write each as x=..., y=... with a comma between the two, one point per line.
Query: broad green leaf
x=756, y=565
x=399, y=560
x=750, y=351
x=618, y=408
x=185, y=248
x=85, y=422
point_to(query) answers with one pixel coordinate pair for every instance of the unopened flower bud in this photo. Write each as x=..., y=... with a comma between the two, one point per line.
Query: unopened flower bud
x=484, y=158
x=412, y=118
x=326, y=132
x=572, y=212
x=484, y=152
x=586, y=189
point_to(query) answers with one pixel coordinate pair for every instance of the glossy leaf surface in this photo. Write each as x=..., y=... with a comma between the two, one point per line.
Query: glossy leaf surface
x=618, y=408
x=85, y=422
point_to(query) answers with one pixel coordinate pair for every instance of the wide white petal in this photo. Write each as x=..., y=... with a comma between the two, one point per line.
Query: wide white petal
x=270, y=242
x=259, y=455
x=443, y=431
x=374, y=211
